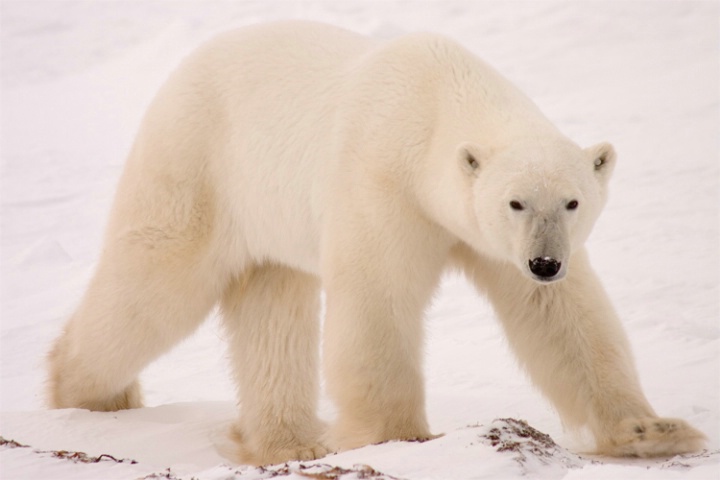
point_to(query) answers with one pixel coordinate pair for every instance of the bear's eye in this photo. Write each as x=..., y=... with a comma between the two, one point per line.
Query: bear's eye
x=572, y=205
x=515, y=205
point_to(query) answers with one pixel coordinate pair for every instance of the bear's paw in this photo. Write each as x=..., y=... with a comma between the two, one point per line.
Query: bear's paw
x=653, y=437
x=282, y=445
x=262, y=455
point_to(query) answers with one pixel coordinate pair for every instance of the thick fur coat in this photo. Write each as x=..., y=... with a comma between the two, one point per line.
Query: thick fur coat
x=284, y=159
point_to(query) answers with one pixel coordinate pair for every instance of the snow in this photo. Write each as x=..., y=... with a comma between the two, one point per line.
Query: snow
x=76, y=78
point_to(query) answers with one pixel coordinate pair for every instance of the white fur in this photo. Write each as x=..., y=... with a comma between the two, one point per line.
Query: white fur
x=281, y=158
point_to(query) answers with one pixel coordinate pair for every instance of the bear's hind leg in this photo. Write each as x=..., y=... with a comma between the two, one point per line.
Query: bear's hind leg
x=271, y=315
x=135, y=309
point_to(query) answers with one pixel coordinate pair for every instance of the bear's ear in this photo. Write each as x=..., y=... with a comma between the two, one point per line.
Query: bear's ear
x=471, y=158
x=603, y=159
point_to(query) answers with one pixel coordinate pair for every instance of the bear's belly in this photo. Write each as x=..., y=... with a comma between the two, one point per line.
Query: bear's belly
x=275, y=211
x=284, y=236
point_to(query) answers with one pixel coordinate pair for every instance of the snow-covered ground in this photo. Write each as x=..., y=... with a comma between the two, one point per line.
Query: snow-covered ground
x=76, y=78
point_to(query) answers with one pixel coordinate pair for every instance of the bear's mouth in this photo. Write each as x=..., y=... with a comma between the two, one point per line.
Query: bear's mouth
x=546, y=281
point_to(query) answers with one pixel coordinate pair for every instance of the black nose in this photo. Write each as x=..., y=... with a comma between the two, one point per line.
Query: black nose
x=545, y=267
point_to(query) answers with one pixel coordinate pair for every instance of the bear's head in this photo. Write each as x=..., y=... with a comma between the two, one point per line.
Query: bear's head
x=536, y=201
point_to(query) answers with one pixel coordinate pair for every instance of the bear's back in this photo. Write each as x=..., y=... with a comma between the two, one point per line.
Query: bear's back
x=274, y=91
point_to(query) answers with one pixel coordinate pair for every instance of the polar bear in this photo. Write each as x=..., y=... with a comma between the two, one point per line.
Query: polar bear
x=283, y=159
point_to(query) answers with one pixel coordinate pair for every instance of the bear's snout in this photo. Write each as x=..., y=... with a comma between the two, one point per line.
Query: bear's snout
x=544, y=267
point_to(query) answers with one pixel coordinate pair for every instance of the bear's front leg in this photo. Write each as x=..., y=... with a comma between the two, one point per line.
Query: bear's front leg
x=377, y=287
x=570, y=341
